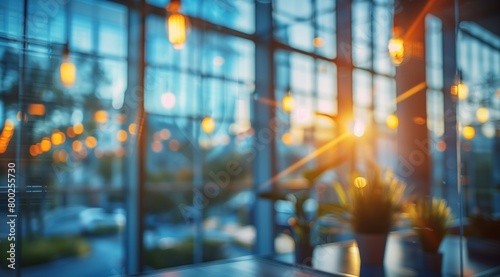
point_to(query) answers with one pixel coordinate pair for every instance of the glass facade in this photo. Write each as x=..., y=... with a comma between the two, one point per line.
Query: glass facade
x=157, y=155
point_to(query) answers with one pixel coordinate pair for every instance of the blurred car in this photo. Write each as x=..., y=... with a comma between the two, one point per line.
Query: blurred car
x=61, y=221
x=96, y=221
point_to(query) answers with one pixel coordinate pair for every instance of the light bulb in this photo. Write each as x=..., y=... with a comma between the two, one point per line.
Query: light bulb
x=67, y=72
x=462, y=91
x=288, y=103
x=208, y=125
x=177, y=25
x=396, y=50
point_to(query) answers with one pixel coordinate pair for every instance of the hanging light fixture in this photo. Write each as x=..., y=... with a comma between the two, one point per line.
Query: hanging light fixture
x=461, y=91
x=208, y=125
x=177, y=24
x=396, y=47
x=67, y=70
x=287, y=103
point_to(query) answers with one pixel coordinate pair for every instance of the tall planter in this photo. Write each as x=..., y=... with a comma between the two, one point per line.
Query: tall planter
x=432, y=262
x=303, y=247
x=303, y=254
x=371, y=248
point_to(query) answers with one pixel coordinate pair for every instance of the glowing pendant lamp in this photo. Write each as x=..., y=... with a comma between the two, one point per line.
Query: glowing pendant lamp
x=67, y=70
x=396, y=48
x=177, y=24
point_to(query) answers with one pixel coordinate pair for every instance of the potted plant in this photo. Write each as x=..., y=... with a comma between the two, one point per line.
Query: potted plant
x=370, y=205
x=302, y=223
x=431, y=219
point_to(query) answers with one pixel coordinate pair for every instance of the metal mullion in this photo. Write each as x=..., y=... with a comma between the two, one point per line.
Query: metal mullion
x=282, y=46
x=189, y=117
x=196, y=73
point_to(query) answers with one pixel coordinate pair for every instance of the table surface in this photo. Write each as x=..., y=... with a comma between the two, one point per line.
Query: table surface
x=249, y=266
x=342, y=259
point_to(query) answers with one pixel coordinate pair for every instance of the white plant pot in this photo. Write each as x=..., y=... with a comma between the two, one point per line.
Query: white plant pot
x=371, y=248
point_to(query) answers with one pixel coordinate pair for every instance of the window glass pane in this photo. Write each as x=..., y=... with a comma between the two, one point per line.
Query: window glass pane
x=361, y=35
x=306, y=26
x=301, y=75
x=74, y=138
x=383, y=32
x=11, y=17
x=385, y=98
x=362, y=88
x=236, y=14
x=435, y=113
x=434, y=54
x=48, y=21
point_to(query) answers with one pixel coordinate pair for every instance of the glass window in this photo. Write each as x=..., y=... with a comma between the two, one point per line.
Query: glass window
x=306, y=26
x=238, y=14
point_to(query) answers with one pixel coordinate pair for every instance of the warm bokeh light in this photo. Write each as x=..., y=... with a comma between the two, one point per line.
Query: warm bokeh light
x=287, y=138
x=77, y=146
x=287, y=103
x=67, y=72
x=156, y=146
x=208, y=125
x=33, y=150
x=101, y=116
x=392, y=121
x=482, y=114
x=39, y=148
x=91, y=142
x=359, y=128
x=9, y=125
x=62, y=156
x=132, y=128
x=8, y=131
x=468, y=132
x=441, y=146
x=168, y=100
x=177, y=29
x=396, y=50
x=36, y=109
x=70, y=132
x=121, y=136
x=78, y=128
x=419, y=120
x=174, y=145
x=45, y=144
x=57, y=138
x=164, y=134
x=360, y=182
x=318, y=42
x=461, y=90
